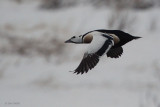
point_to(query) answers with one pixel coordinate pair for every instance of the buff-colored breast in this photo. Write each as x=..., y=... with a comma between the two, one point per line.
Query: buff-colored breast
x=88, y=38
x=115, y=38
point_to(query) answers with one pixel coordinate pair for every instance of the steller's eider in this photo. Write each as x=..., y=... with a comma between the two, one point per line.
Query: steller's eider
x=101, y=41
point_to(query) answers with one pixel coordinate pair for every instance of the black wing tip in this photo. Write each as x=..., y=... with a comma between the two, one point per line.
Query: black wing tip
x=81, y=72
x=87, y=64
x=78, y=72
x=115, y=57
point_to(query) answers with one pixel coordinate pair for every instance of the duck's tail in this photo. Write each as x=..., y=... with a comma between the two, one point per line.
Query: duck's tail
x=136, y=37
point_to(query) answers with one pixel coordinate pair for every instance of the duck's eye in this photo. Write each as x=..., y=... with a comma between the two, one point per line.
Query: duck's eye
x=80, y=35
x=73, y=37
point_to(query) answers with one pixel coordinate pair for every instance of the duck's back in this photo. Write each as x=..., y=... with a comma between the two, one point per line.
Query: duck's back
x=123, y=36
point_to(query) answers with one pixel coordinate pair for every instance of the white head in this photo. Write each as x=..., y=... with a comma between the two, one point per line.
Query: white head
x=87, y=38
x=75, y=39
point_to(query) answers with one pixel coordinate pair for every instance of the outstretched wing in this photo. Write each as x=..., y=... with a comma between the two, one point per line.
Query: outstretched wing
x=115, y=53
x=89, y=61
x=97, y=48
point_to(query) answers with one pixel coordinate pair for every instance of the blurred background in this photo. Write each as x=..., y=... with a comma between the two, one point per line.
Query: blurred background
x=35, y=62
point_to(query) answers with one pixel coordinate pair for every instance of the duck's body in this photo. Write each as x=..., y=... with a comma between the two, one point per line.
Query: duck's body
x=102, y=42
x=123, y=36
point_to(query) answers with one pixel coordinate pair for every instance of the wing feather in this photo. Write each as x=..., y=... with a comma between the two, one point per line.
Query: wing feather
x=98, y=46
x=87, y=63
x=115, y=53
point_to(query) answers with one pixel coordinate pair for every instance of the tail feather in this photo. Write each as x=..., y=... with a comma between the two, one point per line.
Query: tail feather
x=136, y=37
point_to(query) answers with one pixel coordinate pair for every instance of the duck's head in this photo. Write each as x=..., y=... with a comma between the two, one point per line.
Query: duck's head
x=75, y=39
x=80, y=39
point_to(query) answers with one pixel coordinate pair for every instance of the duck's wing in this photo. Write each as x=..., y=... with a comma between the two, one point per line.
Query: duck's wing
x=89, y=61
x=115, y=52
x=97, y=48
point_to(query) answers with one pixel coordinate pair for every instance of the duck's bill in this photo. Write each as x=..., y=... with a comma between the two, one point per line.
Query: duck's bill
x=68, y=41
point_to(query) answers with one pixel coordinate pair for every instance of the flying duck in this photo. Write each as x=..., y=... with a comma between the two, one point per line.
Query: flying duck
x=100, y=42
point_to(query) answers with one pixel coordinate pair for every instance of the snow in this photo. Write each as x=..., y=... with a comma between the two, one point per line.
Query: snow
x=29, y=81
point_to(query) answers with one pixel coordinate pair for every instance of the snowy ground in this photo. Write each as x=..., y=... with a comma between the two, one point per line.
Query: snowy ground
x=34, y=81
